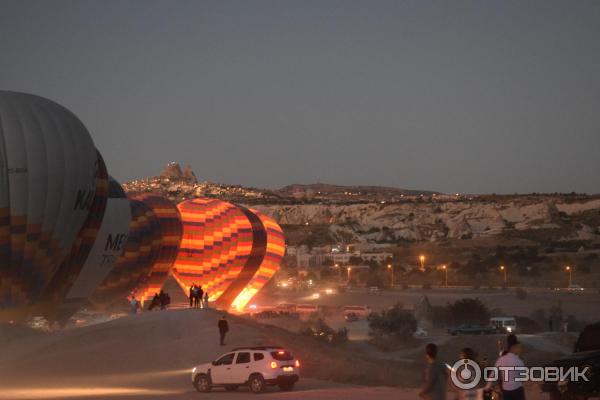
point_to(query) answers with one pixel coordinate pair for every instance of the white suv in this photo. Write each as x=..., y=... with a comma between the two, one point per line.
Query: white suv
x=256, y=367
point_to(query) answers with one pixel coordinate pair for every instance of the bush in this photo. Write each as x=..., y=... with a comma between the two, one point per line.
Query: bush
x=469, y=311
x=393, y=322
x=321, y=331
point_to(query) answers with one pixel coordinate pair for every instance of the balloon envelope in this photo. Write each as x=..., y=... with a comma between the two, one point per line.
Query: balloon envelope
x=133, y=268
x=229, y=250
x=48, y=169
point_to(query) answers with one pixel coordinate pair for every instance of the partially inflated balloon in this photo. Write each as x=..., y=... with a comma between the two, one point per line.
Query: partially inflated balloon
x=270, y=264
x=109, y=243
x=216, y=243
x=229, y=250
x=69, y=270
x=133, y=268
x=48, y=166
x=170, y=229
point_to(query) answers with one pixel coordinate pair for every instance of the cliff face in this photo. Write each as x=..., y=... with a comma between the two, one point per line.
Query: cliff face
x=453, y=220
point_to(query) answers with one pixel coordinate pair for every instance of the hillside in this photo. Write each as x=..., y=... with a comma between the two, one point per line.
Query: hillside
x=437, y=220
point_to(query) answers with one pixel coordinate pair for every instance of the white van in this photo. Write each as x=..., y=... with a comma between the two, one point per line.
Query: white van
x=504, y=324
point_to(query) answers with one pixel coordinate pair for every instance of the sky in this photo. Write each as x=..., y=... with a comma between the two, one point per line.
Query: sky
x=453, y=96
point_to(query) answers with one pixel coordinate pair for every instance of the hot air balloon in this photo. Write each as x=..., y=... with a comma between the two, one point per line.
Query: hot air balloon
x=109, y=243
x=171, y=230
x=48, y=169
x=133, y=268
x=69, y=270
x=223, y=248
x=270, y=264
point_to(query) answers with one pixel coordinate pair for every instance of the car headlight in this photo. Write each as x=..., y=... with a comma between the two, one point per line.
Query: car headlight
x=193, y=370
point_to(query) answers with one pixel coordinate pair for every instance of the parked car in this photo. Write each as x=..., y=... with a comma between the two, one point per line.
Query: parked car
x=255, y=367
x=468, y=329
x=586, y=354
x=420, y=333
x=351, y=317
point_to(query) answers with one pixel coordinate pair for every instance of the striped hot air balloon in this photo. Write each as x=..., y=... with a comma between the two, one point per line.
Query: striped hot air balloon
x=133, y=268
x=270, y=264
x=222, y=249
x=171, y=230
x=48, y=169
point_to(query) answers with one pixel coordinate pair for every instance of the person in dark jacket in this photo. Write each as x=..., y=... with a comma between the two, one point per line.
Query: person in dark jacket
x=199, y=295
x=192, y=295
x=436, y=376
x=223, y=328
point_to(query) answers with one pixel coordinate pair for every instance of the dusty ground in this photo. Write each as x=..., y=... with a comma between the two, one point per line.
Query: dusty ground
x=149, y=356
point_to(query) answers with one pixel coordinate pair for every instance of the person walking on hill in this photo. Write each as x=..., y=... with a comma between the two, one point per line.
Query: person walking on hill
x=436, y=376
x=223, y=326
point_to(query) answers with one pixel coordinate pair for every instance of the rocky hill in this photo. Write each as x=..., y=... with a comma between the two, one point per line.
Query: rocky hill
x=436, y=220
x=324, y=213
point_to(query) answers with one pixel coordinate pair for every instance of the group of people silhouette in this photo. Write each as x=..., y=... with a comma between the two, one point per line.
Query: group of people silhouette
x=198, y=297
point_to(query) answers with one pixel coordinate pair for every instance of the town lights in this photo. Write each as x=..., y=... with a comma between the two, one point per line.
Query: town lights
x=505, y=273
x=570, y=271
x=392, y=270
x=445, y=269
x=422, y=260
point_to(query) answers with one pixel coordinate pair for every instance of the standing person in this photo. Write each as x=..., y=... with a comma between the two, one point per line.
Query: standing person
x=511, y=389
x=195, y=296
x=155, y=302
x=223, y=328
x=200, y=296
x=436, y=376
x=134, y=304
x=192, y=295
x=162, y=296
x=205, y=299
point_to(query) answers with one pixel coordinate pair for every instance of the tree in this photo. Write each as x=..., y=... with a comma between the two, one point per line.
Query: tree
x=469, y=311
x=393, y=322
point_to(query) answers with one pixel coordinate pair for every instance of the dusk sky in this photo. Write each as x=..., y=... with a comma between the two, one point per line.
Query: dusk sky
x=455, y=96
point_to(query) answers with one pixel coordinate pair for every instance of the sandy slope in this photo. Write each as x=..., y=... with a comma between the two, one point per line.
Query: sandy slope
x=149, y=356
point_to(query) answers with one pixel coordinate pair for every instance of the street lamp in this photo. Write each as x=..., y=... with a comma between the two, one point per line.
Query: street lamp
x=391, y=269
x=570, y=271
x=422, y=259
x=339, y=271
x=349, y=269
x=505, y=272
x=445, y=275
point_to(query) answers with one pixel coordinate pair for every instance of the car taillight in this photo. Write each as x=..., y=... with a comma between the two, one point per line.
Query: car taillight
x=274, y=365
x=297, y=363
